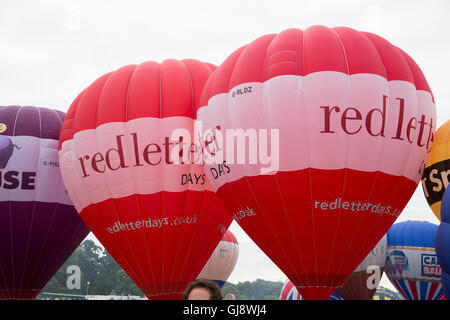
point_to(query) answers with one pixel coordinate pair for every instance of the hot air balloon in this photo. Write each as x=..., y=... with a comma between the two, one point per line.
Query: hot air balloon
x=383, y=293
x=445, y=278
x=129, y=163
x=315, y=140
x=436, y=174
x=290, y=292
x=443, y=243
x=411, y=264
x=222, y=261
x=335, y=296
x=363, y=282
x=39, y=226
x=230, y=296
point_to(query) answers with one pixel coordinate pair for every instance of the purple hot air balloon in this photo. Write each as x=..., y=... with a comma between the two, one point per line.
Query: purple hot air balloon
x=6, y=150
x=39, y=227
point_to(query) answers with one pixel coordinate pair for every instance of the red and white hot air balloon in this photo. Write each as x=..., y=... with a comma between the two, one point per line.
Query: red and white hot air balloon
x=315, y=140
x=131, y=172
x=222, y=261
x=363, y=282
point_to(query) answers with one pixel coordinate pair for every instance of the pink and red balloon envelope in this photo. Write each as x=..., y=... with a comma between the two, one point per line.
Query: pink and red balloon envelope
x=355, y=119
x=131, y=176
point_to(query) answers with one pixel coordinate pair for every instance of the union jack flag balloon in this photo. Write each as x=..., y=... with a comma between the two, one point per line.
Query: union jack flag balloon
x=446, y=284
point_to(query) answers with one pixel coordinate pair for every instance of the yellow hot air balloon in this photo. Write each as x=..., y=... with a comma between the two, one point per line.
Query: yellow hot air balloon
x=437, y=169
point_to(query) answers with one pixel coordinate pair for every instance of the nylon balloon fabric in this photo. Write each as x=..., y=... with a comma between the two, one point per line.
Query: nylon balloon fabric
x=436, y=174
x=446, y=284
x=39, y=226
x=341, y=122
x=363, y=282
x=221, y=263
x=411, y=264
x=128, y=161
x=290, y=292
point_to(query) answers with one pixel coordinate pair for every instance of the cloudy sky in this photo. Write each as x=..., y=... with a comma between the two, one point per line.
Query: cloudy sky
x=53, y=49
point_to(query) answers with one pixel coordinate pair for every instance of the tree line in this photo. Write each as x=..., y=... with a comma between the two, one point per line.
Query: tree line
x=100, y=274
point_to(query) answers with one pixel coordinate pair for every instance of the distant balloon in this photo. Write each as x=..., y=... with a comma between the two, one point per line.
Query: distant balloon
x=39, y=226
x=446, y=284
x=335, y=296
x=315, y=140
x=412, y=265
x=436, y=176
x=290, y=292
x=363, y=282
x=230, y=296
x=222, y=261
x=130, y=166
x=383, y=293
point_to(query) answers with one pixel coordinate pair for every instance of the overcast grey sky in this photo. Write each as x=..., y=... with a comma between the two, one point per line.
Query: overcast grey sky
x=53, y=49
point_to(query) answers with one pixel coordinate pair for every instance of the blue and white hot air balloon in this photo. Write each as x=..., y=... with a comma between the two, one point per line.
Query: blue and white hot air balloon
x=411, y=264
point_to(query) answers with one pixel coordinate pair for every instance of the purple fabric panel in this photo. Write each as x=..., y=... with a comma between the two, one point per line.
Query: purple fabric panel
x=36, y=238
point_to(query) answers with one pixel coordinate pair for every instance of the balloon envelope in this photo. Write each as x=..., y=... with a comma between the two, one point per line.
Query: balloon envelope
x=446, y=284
x=443, y=246
x=312, y=141
x=39, y=226
x=435, y=178
x=290, y=292
x=230, y=296
x=443, y=234
x=129, y=163
x=363, y=282
x=383, y=293
x=443, y=243
x=222, y=261
x=412, y=265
